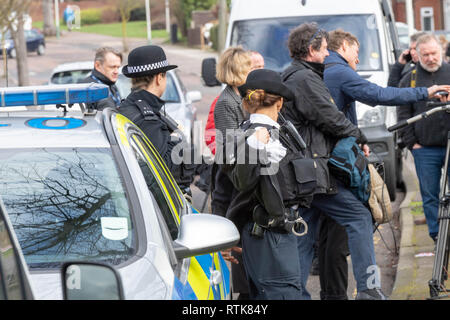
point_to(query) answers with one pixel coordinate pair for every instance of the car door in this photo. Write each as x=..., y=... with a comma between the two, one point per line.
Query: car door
x=14, y=277
x=31, y=40
x=199, y=277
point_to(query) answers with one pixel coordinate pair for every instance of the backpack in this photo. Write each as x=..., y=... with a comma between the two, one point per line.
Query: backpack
x=349, y=165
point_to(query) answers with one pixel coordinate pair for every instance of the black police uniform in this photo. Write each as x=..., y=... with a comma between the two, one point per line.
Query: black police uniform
x=269, y=252
x=269, y=194
x=144, y=109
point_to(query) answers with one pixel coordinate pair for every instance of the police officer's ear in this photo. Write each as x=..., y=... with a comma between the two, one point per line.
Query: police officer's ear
x=279, y=104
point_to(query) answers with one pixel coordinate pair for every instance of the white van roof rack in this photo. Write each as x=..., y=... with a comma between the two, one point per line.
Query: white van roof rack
x=52, y=94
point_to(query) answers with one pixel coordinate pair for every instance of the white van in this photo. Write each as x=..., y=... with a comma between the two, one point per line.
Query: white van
x=264, y=26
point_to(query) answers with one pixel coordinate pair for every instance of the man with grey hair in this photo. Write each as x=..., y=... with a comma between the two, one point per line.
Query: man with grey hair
x=427, y=138
x=107, y=62
x=406, y=62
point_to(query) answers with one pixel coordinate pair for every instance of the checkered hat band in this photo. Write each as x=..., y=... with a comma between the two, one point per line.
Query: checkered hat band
x=148, y=67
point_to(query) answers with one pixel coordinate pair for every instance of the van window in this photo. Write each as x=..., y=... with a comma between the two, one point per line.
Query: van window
x=270, y=36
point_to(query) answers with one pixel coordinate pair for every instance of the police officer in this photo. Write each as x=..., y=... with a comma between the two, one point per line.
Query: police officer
x=261, y=208
x=147, y=67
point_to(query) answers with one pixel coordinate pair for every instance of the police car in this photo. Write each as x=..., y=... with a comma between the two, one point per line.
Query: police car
x=92, y=187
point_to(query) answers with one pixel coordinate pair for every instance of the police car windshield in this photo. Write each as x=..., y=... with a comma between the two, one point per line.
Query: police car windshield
x=270, y=36
x=66, y=204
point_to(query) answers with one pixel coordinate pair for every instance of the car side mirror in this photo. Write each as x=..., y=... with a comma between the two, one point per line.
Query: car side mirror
x=209, y=72
x=204, y=233
x=193, y=96
x=91, y=281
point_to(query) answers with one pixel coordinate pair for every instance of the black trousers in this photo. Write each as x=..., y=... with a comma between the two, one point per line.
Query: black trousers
x=272, y=265
x=333, y=266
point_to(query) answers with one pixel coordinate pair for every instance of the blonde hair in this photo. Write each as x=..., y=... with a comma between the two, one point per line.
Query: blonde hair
x=233, y=67
x=258, y=99
x=337, y=38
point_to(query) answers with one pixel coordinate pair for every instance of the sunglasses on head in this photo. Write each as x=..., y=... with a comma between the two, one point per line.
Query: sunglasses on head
x=315, y=35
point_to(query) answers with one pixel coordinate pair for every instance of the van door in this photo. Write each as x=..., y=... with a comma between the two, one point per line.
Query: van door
x=390, y=22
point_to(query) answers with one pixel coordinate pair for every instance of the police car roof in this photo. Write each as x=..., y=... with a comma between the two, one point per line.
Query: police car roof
x=47, y=129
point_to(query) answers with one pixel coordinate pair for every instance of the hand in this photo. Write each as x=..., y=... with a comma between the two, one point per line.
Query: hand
x=433, y=89
x=262, y=134
x=365, y=148
x=226, y=254
x=416, y=146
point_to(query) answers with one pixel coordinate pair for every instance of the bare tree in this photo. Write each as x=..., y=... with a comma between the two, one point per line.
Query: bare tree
x=13, y=18
x=125, y=7
x=49, y=18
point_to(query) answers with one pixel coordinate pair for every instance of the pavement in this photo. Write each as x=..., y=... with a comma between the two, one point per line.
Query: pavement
x=416, y=256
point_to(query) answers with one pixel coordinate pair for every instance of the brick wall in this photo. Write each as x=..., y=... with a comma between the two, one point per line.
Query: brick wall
x=400, y=12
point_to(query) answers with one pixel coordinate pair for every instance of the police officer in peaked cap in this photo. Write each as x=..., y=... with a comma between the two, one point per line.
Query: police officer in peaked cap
x=147, y=67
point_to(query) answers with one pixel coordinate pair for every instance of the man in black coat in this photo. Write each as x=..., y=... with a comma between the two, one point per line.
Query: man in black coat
x=321, y=124
x=427, y=138
x=107, y=62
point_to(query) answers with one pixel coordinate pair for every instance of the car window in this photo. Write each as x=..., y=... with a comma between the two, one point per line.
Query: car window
x=74, y=76
x=67, y=204
x=159, y=184
x=11, y=286
x=171, y=93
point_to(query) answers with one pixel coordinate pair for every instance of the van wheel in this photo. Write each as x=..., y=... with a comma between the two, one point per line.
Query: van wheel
x=390, y=179
x=209, y=72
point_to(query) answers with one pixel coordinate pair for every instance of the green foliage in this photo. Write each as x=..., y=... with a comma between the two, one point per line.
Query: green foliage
x=91, y=16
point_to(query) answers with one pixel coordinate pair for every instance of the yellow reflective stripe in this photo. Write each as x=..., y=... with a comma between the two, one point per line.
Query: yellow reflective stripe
x=198, y=281
x=121, y=121
x=164, y=166
x=159, y=179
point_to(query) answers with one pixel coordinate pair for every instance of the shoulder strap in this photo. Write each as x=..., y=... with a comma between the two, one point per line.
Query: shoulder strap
x=145, y=109
x=413, y=78
x=150, y=114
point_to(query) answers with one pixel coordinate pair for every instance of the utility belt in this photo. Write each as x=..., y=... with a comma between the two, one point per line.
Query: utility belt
x=290, y=222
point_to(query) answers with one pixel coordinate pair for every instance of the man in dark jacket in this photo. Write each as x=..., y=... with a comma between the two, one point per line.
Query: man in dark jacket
x=346, y=87
x=321, y=124
x=406, y=62
x=107, y=62
x=427, y=138
x=147, y=67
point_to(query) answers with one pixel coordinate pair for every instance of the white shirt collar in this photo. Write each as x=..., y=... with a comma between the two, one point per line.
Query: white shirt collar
x=263, y=119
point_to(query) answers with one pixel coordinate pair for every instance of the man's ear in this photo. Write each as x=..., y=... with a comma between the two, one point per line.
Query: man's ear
x=97, y=65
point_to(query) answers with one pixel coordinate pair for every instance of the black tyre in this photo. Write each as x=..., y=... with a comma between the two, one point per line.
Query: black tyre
x=209, y=72
x=390, y=178
x=40, y=50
